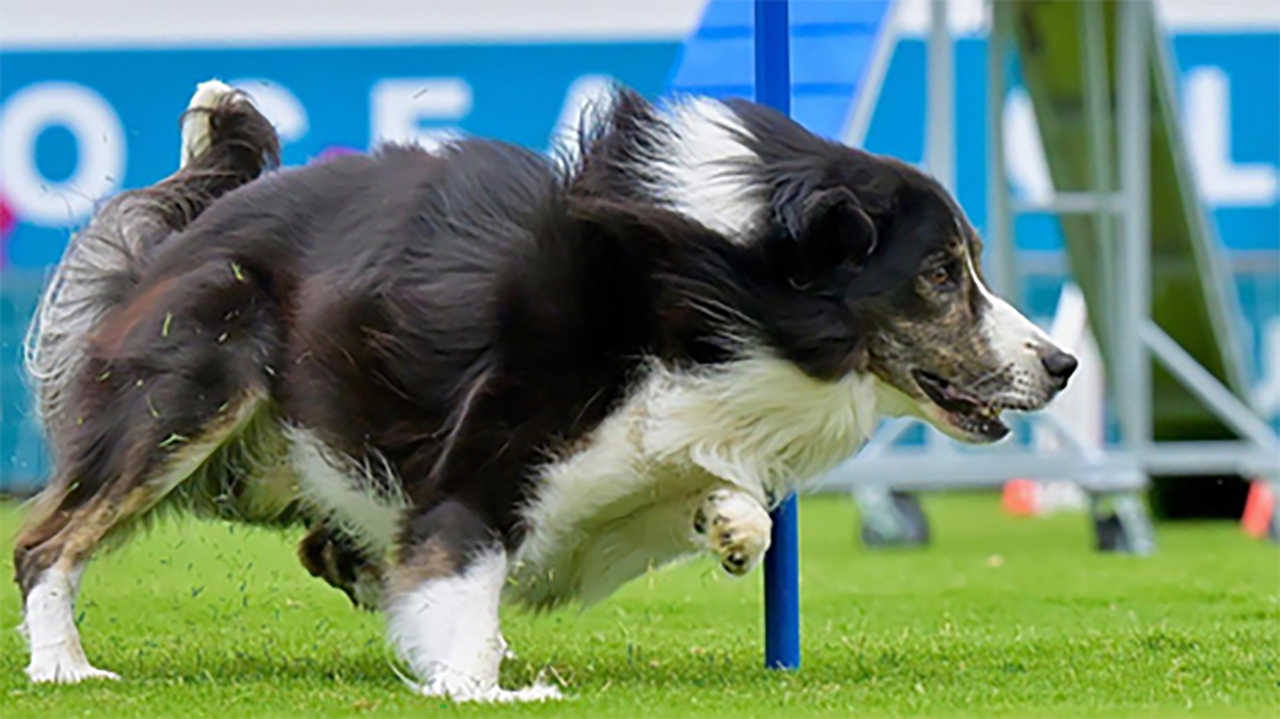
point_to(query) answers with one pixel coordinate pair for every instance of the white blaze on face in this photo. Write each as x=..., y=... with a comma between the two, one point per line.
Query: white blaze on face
x=1015, y=340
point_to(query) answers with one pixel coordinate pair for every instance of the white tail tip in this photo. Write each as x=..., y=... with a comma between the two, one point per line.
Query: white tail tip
x=195, y=126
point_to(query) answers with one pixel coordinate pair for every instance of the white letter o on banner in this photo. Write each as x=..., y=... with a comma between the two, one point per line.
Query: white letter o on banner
x=100, y=143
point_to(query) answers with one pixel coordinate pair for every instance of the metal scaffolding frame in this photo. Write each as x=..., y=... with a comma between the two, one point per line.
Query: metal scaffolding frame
x=1114, y=475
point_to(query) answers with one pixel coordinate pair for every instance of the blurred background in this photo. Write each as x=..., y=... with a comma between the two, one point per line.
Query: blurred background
x=90, y=93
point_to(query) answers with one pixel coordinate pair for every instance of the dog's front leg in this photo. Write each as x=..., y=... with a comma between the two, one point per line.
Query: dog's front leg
x=442, y=606
x=443, y=591
x=735, y=526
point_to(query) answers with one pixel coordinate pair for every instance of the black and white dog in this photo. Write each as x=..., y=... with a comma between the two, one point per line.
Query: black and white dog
x=479, y=373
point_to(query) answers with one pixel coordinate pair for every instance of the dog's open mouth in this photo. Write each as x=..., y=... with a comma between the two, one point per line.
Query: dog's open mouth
x=965, y=410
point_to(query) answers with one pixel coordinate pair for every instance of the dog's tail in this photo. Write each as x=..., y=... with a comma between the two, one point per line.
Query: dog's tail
x=226, y=143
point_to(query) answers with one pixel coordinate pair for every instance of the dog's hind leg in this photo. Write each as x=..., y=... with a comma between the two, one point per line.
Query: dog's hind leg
x=140, y=468
x=130, y=422
x=51, y=553
x=172, y=376
x=333, y=555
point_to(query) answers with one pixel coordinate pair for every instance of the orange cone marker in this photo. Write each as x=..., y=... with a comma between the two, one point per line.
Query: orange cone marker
x=1257, y=510
x=1020, y=498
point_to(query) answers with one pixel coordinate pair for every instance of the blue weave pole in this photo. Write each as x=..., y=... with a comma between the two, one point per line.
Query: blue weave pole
x=782, y=591
x=782, y=563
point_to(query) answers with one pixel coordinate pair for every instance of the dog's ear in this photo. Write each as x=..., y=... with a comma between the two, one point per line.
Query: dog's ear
x=836, y=228
x=816, y=234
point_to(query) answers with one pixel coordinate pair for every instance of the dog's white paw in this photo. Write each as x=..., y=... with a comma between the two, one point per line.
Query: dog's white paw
x=463, y=690
x=195, y=125
x=535, y=693
x=736, y=528
x=57, y=665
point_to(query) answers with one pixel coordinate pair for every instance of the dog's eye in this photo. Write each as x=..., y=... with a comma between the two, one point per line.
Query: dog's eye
x=939, y=276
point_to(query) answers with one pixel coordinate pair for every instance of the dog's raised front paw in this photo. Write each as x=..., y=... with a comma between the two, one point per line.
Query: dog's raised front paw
x=736, y=528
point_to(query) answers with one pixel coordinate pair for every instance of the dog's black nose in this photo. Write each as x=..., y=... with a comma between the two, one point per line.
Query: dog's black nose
x=1060, y=365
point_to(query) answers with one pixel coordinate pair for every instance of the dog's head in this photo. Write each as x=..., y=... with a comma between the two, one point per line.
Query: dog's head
x=858, y=263
x=905, y=296
x=871, y=264
x=879, y=269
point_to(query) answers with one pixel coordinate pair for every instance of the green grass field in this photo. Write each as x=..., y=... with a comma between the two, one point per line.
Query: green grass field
x=1000, y=617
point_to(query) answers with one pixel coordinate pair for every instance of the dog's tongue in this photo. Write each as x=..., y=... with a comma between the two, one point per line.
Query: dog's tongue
x=953, y=392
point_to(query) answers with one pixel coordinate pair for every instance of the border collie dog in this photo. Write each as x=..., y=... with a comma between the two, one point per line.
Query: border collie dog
x=480, y=374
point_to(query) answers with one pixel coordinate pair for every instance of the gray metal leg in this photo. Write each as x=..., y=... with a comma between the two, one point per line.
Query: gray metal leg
x=1273, y=522
x=1273, y=527
x=890, y=518
x=1121, y=523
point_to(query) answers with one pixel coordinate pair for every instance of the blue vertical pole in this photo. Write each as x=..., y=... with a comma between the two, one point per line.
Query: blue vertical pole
x=782, y=563
x=782, y=590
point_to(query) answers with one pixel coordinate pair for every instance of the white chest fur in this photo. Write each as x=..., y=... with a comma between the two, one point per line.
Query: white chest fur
x=625, y=503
